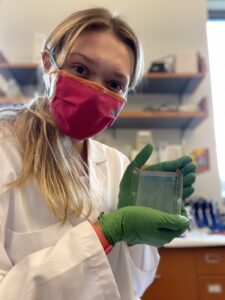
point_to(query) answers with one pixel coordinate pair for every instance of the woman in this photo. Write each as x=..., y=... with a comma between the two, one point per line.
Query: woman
x=63, y=233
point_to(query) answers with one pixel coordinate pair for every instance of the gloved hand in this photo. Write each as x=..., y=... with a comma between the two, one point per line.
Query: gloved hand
x=185, y=164
x=142, y=225
x=187, y=168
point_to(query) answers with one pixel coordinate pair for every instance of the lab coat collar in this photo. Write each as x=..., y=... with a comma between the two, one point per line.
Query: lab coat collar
x=95, y=153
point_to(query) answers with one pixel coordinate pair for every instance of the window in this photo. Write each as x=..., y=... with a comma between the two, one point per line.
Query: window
x=216, y=46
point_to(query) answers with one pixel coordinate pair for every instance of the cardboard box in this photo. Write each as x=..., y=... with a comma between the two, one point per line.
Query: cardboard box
x=187, y=62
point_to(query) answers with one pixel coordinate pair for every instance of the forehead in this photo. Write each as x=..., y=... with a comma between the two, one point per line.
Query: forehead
x=106, y=49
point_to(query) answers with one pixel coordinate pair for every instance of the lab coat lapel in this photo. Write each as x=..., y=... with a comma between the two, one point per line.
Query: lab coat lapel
x=96, y=161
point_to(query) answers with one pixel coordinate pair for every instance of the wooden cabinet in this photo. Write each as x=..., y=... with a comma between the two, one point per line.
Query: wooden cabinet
x=189, y=274
x=176, y=276
x=210, y=266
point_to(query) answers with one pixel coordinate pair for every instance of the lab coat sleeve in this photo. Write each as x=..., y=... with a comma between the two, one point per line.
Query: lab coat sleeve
x=75, y=265
x=144, y=261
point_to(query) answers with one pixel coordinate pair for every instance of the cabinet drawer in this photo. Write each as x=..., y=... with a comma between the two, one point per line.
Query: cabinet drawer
x=210, y=261
x=211, y=287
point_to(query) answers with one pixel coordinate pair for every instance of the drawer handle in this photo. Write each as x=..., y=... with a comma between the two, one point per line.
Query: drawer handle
x=215, y=288
x=211, y=258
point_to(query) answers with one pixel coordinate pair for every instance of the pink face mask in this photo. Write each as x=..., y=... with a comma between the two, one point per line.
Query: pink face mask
x=82, y=108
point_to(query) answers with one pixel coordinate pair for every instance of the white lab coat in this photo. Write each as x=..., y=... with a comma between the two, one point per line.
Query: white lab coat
x=42, y=260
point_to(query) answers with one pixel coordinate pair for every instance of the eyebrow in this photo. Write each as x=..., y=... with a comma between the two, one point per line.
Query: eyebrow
x=92, y=61
x=87, y=58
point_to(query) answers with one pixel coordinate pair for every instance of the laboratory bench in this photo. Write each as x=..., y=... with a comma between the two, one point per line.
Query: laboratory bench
x=190, y=268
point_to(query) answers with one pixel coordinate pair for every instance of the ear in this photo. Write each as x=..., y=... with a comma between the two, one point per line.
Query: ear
x=46, y=61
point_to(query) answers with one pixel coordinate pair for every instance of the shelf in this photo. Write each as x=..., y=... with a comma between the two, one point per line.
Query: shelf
x=7, y=100
x=162, y=119
x=169, y=83
x=18, y=66
x=25, y=74
x=139, y=119
x=163, y=83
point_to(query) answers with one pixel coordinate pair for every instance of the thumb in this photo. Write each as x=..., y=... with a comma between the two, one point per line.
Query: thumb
x=141, y=158
x=138, y=162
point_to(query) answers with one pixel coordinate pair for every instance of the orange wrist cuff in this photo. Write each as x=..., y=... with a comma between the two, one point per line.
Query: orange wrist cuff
x=105, y=243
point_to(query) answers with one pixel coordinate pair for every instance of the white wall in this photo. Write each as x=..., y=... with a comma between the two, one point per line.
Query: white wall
x=164, y=26
x=161, y=24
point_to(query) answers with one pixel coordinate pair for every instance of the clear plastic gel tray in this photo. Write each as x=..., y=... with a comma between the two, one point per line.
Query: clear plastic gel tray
x=159, y=190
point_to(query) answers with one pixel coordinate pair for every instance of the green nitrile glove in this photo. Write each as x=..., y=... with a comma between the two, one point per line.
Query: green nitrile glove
x=186, y=166
x=125, y=184
x=142, y=225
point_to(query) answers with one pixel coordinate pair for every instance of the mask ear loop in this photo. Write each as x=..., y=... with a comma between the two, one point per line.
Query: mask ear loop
x=126, y=94
x=54, y=63
x=52, y=59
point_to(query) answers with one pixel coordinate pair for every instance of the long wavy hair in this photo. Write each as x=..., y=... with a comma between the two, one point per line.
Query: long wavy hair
x=47, y=154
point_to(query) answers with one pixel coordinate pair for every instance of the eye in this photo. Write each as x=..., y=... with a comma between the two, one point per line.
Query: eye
x=80, y=70
x=115, y=86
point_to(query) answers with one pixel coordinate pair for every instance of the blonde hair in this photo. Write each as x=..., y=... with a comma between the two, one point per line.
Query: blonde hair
x=62, y=38
x=47, y=154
